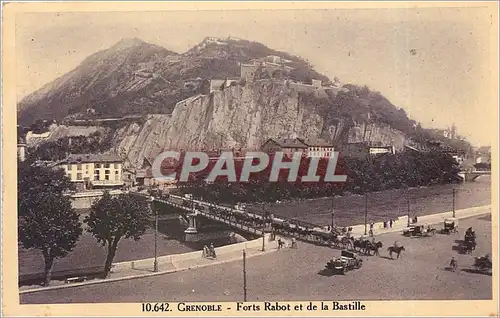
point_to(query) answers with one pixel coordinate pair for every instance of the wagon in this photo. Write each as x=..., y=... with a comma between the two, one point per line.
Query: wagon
x=483, y=264
x=450, y=226
x=336, y=266
x=413, y=230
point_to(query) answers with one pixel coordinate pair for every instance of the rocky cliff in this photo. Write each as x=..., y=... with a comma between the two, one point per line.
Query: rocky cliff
x=243, y=116
x=135, y=141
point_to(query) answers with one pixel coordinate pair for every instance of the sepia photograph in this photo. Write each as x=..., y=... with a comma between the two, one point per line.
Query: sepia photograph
x=229, y=159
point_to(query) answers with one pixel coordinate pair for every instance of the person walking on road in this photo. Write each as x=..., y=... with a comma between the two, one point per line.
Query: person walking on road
x=206, y=252
x=212, y=250
x=390, y=223
x=280, y=243
x=294, y=243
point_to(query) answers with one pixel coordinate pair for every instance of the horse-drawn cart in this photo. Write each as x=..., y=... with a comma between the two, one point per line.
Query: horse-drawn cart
x=450, y=226
x=419, y=230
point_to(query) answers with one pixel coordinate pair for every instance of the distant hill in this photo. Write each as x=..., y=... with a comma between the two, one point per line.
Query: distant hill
x=135, y=77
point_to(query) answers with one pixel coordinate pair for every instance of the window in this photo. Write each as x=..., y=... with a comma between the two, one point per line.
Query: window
x=96, y=175
x=86, y=167
x=79, y=167
x=106, y=171
x=106, y=165
x=106, y=177
x=79, y=176
x=116, y=166
x=97, y=165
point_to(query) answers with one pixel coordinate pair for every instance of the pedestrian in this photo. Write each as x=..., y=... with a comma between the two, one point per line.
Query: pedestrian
x=390, y=223
x=280, y=242
x=212, y=250
x=371, y=226
x=329, y=229
x=385, y=224
x=294, y=243
x=371, y=232
x=206, y=252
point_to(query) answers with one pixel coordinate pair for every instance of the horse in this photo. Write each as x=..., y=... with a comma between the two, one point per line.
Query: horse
x=360, y=245
x=346, y=242
x=469, y=246
x=374, y=247
x=395, y=249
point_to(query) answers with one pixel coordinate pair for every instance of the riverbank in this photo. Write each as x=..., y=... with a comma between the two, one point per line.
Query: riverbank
x=175, y=263
x=382, y=206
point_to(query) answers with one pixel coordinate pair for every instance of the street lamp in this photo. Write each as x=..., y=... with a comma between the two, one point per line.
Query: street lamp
x=408, y=203
x=366, y=211
x=333, y=214
x=150, y=202
x=263, y=230
x=244, y=276
x=453, y=201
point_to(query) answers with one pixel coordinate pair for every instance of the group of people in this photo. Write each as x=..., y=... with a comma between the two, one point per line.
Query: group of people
x=209, y=251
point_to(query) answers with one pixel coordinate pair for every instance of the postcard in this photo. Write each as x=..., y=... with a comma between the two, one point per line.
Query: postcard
x=250, y=158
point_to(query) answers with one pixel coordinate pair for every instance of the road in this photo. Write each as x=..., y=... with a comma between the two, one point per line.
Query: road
x=295, y=275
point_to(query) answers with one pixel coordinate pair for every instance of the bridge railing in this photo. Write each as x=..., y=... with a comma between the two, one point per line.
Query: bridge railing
x=203, y=208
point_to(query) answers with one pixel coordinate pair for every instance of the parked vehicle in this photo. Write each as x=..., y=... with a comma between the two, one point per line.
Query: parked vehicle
x=450, y=226
x=347, y=261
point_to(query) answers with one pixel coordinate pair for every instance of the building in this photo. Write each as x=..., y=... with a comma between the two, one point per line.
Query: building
x=318, y=148
x=21, y=149
x=362, y=150
x=129, y=177
x=288, y=146
x=317, y=83
x=483, y=154
x=93, y=171
x=220, y=84
x=144, y=175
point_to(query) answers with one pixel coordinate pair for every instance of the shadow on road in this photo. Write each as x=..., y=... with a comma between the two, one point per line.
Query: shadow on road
x=476, y=271
x=326, y=272
x=387, y=257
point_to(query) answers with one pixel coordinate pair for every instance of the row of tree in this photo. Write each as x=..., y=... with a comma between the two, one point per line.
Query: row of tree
x=47, y=221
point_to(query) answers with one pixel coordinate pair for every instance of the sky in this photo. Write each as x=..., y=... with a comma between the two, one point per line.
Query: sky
x=433, y=62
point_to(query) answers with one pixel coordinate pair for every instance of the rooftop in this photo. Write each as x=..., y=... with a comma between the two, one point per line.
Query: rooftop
x=288, y=143
x=316, y=142
x=79, y=158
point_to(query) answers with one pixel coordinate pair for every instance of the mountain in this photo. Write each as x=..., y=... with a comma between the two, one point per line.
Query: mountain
x=181, y=109
x=99, y=82
x=135, y=77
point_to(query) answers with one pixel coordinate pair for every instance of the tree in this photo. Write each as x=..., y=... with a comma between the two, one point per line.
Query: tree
x=47, y=221
x=115, y=217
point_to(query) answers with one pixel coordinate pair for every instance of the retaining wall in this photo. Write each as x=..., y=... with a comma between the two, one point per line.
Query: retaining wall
x=175, y=258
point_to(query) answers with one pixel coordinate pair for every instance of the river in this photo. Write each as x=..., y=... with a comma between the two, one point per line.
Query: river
x=384, y=205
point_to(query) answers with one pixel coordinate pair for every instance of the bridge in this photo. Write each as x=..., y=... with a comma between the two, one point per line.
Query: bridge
x=235, y=218
x=470, y=175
